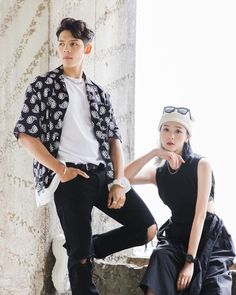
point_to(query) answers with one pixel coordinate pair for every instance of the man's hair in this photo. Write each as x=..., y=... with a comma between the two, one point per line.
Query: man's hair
x=78, y=29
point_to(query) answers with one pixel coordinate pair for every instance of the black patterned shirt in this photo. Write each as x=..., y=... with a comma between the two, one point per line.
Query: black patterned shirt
x=44, y=108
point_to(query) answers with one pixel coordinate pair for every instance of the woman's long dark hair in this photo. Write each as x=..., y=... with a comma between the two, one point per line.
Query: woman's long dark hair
x=187, y=150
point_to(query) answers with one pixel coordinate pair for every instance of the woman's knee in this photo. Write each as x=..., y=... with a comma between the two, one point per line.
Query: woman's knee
x=151, y=232
x=161, y=254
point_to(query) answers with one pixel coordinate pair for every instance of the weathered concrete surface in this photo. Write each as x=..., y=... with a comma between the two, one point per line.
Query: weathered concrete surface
x=27, y=36
x=24, y=234
x=123, y=279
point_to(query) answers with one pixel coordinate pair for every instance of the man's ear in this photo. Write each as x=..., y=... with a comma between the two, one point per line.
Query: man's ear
x=88, y=48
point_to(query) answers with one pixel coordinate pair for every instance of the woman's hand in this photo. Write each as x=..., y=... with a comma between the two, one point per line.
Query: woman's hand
x=175, y=160
x=185, y=276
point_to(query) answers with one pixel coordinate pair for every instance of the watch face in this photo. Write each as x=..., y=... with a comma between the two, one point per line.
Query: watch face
x=123, y=182
x=189, y=258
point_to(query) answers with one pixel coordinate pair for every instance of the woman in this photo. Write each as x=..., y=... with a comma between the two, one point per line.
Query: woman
x=194, y=250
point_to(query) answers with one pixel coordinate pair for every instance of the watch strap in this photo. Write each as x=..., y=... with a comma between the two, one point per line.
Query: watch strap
x=122, y=182
x=189, y=258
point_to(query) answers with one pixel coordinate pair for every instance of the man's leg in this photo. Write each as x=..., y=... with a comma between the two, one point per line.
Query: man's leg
x=74, y=202
x=138, y=228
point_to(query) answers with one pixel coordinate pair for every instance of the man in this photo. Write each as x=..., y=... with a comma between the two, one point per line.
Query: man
x=67, y=124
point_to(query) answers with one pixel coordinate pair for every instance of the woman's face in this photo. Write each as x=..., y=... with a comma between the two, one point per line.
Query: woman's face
x=173, y=136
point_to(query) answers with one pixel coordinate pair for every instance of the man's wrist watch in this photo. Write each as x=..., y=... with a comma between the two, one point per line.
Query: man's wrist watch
x=189, y=258
x=122, y=182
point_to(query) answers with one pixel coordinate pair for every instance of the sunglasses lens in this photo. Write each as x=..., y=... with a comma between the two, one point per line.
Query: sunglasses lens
x=169, y=109
x=183, y=111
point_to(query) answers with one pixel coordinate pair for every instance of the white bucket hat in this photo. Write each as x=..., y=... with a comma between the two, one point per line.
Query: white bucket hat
x=180, y=115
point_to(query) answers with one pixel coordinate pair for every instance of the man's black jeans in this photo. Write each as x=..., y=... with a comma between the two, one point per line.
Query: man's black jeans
x=74, y=202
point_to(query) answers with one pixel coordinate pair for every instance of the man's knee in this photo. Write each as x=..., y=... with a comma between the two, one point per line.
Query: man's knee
x=145, y=235
x=83, y=261
x=87, y=263
x=151, y=232
x=82, y=269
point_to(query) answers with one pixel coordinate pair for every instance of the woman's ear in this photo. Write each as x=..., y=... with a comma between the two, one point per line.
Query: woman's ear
x=88, y=48
x=187, y=139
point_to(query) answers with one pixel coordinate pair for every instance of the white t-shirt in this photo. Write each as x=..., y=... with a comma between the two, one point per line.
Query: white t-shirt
x=78, y=143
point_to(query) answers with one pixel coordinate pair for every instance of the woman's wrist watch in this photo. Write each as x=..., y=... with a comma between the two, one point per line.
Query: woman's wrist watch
x=189, y=258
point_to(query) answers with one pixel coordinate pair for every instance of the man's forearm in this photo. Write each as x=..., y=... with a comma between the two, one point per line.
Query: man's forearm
x=39, y=152
x=117, y=158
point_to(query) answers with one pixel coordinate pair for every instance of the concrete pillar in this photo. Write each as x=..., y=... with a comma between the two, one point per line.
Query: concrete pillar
x=27, y=35
x=24, y=229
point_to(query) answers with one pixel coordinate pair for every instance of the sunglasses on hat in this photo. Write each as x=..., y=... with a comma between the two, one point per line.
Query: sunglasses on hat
x=180, y=110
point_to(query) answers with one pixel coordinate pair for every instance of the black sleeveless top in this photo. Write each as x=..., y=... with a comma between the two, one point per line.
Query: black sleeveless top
x=179, y=190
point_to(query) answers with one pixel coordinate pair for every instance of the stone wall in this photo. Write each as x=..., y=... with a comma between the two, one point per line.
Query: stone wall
x=124, y=278
x=119, y=278
x=27, y=36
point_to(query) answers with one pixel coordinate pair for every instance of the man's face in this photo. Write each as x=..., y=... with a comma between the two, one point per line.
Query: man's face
x=71, y=51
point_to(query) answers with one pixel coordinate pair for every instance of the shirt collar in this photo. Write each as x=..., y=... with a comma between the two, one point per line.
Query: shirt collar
x=59, y=73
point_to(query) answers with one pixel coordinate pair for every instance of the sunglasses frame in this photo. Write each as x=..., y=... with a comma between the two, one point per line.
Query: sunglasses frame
x=178, y=109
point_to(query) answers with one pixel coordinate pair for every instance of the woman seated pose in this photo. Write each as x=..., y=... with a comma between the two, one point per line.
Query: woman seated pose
x=194, y=250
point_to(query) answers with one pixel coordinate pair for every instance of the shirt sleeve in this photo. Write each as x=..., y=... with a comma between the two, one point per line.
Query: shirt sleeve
x=29, y=120
x=114, y=131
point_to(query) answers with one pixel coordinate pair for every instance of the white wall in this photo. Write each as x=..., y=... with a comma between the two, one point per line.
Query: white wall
x=186, y=56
